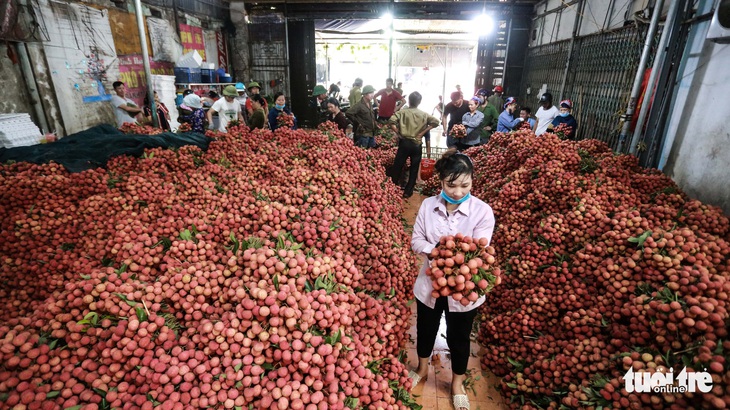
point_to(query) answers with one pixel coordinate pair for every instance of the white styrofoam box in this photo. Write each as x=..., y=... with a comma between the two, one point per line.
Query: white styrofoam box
x=190, y=60
x=18, y=130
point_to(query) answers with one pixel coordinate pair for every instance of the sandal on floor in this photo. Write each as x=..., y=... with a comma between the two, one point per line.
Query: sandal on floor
x=461, y=401
x=415, y=378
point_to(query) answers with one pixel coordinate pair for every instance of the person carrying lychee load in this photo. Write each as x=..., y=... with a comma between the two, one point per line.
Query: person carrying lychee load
x=453, y=211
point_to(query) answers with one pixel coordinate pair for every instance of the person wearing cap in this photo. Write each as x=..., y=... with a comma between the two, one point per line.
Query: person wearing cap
x=507, y=121
x=410, y=125
x=254, y=88
x=455, y=111
x=183, y=110
x=491, y=116
x=363, y=116
x=258, y=118
x=565, y=117
x=496, y=98
x=196, y=118
x=545, y=114
x=355, y=92
x=241, y=90
x=319, y=103
x=390, y=101
x=228, y=109
x=471, y=121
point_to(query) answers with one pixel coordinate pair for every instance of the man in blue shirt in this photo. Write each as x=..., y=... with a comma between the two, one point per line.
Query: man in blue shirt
x=507, y=121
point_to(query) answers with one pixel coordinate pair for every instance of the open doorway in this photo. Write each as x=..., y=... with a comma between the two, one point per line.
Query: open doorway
x=431, y=57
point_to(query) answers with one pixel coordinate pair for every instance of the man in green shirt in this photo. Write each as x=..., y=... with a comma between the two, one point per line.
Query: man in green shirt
x=355, y=93
x=410, y=125
x=363, y=115
x=496, y=99
x=491, y=116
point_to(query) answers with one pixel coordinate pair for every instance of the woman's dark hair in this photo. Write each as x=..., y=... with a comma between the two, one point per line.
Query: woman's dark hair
x=212, y=94
x=526, y=109
x=187, y=92
x=277, y=95
x=257, y=98
x=452, y=165
x=334, y=102
x=147, y=98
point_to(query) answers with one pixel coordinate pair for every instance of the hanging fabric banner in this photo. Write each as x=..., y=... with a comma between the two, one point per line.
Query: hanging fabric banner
x=222, y=51
x=192, y=39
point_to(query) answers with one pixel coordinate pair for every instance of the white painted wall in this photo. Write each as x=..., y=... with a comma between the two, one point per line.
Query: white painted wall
x=697, y=146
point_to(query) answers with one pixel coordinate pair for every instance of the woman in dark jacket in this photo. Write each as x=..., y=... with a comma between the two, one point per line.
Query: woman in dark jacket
x=337, y=116
x=279, y=108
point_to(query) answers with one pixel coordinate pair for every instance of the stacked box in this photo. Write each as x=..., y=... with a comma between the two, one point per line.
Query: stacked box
x=18, y=130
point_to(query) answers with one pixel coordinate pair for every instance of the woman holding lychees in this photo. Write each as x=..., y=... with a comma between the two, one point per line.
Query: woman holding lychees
x=454, y=213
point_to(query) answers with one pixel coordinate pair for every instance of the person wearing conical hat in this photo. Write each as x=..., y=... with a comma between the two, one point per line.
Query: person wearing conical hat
x=319, y=103
x=228, y=109
x=254, y=88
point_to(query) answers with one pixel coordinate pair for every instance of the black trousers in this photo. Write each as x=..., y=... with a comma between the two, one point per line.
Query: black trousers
x=458, y=330
x=406, y=149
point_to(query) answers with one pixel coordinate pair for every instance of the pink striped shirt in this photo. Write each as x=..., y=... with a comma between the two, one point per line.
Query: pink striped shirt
x=472, y=218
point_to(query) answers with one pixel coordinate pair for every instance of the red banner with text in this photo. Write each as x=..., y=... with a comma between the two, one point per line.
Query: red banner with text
x=192, y=39
x=222, y=51
x=131, y=73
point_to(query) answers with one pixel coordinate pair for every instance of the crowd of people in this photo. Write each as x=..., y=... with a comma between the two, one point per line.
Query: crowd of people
x=364, y=108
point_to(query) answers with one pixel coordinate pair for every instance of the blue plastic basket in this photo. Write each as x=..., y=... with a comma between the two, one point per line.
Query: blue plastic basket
x=208, y=76
x=184, y=75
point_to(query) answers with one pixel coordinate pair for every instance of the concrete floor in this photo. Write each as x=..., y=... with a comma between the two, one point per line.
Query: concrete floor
x=435, y=392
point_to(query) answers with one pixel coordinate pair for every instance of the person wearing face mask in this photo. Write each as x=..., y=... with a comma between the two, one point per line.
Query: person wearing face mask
x=507, y=121
x=491, y=116
x=471, y=120
x=565, y=117
x=278, y=108
x=453, y=211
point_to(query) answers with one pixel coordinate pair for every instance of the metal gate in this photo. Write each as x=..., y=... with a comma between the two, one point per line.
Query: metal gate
x=599, y=79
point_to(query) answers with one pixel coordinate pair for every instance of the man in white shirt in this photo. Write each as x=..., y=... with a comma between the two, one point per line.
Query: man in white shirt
x=228, y=109
x=125, y=110
x=545, y=114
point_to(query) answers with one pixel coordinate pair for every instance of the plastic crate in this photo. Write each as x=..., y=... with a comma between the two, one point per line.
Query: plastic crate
x=184, y=75
x=208, y=76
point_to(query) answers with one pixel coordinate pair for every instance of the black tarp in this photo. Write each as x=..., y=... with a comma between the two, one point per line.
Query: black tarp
x=92, y=148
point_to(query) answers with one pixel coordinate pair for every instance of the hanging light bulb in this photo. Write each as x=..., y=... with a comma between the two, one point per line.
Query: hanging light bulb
x=484, y=24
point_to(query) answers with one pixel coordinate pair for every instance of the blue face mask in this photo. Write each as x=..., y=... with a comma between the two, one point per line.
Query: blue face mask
x=564, y=114
x=453, y=201
x=279, y=107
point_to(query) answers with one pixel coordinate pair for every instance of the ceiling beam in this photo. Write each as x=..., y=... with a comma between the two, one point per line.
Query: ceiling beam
x=433, y=10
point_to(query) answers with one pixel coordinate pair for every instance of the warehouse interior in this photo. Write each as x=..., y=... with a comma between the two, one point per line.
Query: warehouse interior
x=633, y=254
